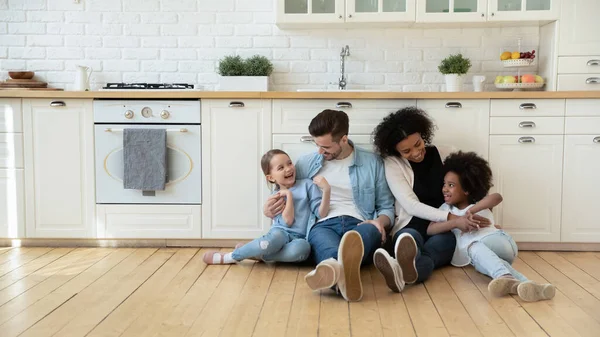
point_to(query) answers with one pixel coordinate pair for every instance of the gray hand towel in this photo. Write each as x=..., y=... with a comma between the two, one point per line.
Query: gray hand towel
x=145, y=159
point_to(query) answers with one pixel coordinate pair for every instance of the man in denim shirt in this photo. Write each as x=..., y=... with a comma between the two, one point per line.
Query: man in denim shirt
x=361, y=206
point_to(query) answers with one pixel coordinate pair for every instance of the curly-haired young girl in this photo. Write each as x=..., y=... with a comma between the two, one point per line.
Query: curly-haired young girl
x=489, y=249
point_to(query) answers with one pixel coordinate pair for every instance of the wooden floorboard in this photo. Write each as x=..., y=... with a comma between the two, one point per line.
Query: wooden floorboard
x=124, y=292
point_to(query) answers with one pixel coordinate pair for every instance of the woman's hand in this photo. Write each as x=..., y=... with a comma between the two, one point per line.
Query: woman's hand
x=464, y=224
x=478, y=220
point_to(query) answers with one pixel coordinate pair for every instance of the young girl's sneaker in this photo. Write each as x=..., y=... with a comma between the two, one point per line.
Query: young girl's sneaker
x=406, y=253
x=214, y=257
x=531, y=292
x=503, y=286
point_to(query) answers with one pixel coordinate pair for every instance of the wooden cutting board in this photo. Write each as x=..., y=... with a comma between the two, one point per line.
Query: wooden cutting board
x=49, y=89
x=21, y=84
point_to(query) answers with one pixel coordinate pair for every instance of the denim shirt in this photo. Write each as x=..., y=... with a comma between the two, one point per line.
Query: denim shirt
x=370, y=190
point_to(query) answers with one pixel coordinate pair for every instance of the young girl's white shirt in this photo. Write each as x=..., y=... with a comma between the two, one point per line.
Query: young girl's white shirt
x=465, y=239
x=401, y=179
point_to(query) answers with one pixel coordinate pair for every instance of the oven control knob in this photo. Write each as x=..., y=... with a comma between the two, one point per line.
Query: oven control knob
x=164, y=114
x=129, y=114
x=147, y=112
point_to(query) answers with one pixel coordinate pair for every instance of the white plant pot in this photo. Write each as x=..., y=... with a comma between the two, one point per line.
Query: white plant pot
x=244, y=83
x=454, y=82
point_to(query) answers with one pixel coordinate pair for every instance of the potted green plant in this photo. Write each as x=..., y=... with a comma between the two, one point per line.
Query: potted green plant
x=454, y=68
x=251, y=74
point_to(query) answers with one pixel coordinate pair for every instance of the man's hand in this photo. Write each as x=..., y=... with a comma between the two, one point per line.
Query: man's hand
x=274, y=205
x=378, y=226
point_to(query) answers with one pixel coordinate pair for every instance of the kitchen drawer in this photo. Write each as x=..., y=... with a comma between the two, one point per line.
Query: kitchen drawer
x=294, y=115
x=11, y=116
x=527, y=125
x=579, y=65
x=11, y=150
x=582, y=126
x=583, y=107
x=530, y=107
x=587, y=82
x=149, y=221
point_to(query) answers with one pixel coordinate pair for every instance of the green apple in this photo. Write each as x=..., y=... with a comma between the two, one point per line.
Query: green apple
x=509, y=79
x=499, y=80
x=539, y=79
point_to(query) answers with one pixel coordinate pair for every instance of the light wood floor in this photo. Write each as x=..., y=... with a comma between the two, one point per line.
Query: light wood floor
x=171, y=292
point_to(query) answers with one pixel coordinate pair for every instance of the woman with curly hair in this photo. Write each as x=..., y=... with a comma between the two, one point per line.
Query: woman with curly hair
x=467, y=179
x=415, y=175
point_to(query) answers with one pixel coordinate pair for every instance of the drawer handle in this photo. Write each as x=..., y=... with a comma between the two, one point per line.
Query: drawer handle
x=592, y=80
x=453, y=105
x=236, y=104
x=343, y=105
x=593, y=63
x=523, y=140
x=57, y=103
x=527, y=106
x=306, y=139
x=527, y=125
x=597, y=139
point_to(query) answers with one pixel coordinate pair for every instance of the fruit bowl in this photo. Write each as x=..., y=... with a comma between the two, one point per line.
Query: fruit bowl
x=517, y=63
x=519, y=85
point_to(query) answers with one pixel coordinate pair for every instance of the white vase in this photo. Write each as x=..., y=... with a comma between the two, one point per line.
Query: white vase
x=454, y=82
x=244, y=83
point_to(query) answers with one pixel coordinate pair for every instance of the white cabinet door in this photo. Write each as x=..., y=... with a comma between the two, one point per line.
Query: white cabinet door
x=523, y=10
x=235, y=134
x=298, y=145
x=12, y=210
x=11, y=118
x=579, y=27
x=462, y=124
x=290, y=12
x=380, y=11
x=451, y=10
x=581, y=189
x=59, y=168
x=528, y=173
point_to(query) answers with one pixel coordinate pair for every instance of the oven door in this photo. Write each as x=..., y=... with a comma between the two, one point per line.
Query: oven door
x=183, y=160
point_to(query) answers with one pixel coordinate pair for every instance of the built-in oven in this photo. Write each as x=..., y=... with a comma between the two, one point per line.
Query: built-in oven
x=180, y=119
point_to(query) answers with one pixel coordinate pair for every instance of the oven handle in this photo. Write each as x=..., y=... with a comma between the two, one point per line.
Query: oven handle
x=168, y=130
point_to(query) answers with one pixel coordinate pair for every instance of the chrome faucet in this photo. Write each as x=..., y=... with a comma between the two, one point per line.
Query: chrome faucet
x=342, y=82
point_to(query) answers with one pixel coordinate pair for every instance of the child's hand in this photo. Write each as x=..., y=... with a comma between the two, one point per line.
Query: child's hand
x=322, y=183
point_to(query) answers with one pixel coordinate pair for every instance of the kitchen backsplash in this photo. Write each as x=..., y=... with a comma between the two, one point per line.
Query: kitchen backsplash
x=182, y=41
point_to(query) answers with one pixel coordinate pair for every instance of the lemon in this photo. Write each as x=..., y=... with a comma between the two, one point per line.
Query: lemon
x=516, y=55
x=505, y=56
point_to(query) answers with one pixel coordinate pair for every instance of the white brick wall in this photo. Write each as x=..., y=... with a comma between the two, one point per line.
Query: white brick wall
x=182, y=41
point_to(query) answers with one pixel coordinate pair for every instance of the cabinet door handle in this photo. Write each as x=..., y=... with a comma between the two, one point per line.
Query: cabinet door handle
x=236, y=104
x=527, y=106
x=527, y=125
x=593, y=63
x=57, y=103
x=592, y=80
x=453, y=105
x=596, y=140
x=306, y=139
x=343, y=105
x=526, y=140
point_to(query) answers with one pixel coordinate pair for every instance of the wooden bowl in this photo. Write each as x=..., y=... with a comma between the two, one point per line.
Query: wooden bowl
x=21, y=75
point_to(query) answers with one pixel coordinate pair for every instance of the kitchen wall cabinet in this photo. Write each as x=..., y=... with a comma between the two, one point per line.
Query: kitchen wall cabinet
x=235, y=134
x=59, y=162
x=294, y=13
x=451, y=11
x=523, y=10
x=462, y=124
x=578, y=29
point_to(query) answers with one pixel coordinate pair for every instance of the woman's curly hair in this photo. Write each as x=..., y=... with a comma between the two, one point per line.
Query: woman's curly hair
x=474, y=173
x=397, y=126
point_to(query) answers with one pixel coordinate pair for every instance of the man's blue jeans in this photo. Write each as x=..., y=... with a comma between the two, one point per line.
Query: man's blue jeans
x=325, y=237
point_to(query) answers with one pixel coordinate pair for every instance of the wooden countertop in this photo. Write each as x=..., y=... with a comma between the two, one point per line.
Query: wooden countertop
x=292, y=94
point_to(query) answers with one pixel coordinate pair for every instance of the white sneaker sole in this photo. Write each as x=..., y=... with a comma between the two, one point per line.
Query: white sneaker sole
x=406, y=252
x=322, y=277
x=350, y=254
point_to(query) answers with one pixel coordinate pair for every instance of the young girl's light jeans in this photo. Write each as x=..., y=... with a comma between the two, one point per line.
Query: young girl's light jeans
x=494, y=254
x=277, y=245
